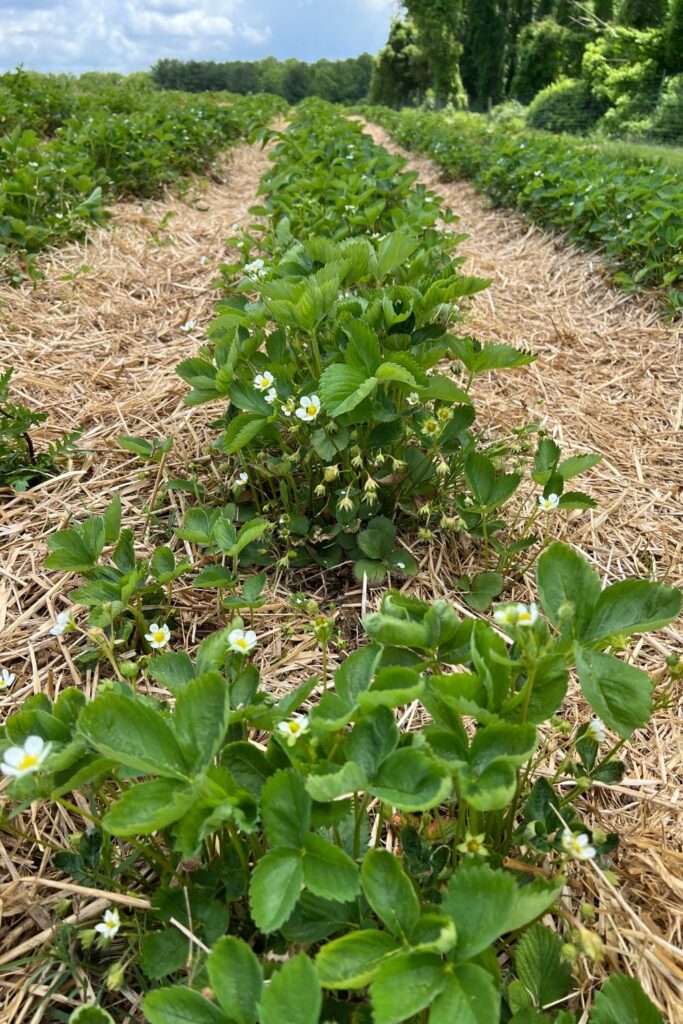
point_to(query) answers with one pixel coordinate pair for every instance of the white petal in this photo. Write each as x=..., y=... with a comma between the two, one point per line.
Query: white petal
x=34, y=745
x=13, y=756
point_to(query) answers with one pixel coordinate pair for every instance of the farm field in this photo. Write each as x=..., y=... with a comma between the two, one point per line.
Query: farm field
x=345, y=638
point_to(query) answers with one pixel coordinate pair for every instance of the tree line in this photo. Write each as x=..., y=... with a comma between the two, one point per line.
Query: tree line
x=478, y=53
x=339, y=81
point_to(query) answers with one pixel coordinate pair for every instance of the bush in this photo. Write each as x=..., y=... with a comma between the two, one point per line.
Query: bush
x=667, y=120
x=565, y=106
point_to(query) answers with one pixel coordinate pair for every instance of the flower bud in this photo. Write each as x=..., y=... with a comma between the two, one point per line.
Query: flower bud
x=591, y=944
x=331, y=473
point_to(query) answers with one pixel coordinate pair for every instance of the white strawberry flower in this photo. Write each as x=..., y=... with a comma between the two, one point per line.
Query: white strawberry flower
x=255, y=269
x=596, y=730
x=577, y=845
x=6, y=679
x=309, y=407
x=188, y=326
x=110, y=924
x=293, y=728
x=158, y=636
x=270, y=396
x=288, y=407
x=527, y=616
x=549, y=503
x=264, y=381
x=241, y=481
x=400, y=565
x=63, y=622
x=242, y=641
x=20, y=761
x=413, y=398
x=515, y=615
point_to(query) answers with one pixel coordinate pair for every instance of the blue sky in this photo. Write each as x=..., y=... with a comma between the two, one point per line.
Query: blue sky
x=128, y=35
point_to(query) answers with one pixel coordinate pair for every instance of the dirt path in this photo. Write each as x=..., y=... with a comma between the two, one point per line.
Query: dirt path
x=609, y=379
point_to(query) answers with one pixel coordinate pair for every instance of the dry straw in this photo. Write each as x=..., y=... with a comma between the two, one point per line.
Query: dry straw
x=95, y=345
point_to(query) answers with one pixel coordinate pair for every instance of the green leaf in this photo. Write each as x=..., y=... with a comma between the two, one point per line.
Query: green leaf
x=620, y=694
x=356, y=673
x=276, y=882
x=236, y=979
x=480, y=474
x=90, y=1015
x=444, y=389
x=411, y=781
x=200, y=719
x=243, y=429
x=133, y=733
x=539, y=965
x=285, y=809
x=568, y=588
x=371, y=741
x=250, y=532
x=328, y=871
x=405, y=985
x=77, y=549
x=395, y=249
x=351, y=961
x=294, y=995
x=342, y=388
x=480, y=901
x=395, y=373
x=534, y=899
x=147, y=807
x=179, y=1005
x=173, y=669
x=469, y=996
x=332, y=785
x=363, y=352
x=216, y=576
x=163, y=953
x=112, y=520
x=377, y=540
x=631, y=606
x=481, y=590
x=247, y=764
x=390, y=892
x=577, y=464
x=622, y=1001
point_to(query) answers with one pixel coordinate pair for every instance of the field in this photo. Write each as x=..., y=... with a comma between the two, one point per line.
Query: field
x=341, y=635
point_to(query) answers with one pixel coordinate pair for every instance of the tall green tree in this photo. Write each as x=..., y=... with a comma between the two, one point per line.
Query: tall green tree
x=643, y=13
x=438, y=23
x=604, y=10
x=674, y=38
x=484, y=55
x=401, y=74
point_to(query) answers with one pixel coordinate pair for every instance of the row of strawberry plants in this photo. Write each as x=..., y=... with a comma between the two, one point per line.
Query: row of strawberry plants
x=386, y=855
x=341, y=426
x=53, y=188
x=627, y=209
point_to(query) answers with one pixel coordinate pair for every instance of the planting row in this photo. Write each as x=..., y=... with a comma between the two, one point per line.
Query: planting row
x=114, y=142
x=344, y=422
x=629, y=209
x=380, y=844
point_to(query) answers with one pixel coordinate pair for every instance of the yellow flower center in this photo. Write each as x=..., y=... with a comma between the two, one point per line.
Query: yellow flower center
x=28, y=761
x=111, y=925
x=294, y=727
x=473, y=846
x=159, y=636
x=311, y=410
x=241, y=642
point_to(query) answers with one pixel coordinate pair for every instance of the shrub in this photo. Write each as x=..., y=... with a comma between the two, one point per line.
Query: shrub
x=565, y=106
x=544, y=52
x=667, y=121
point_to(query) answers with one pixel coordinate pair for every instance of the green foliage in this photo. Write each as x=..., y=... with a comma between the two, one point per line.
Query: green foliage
x=566, y=106
x=400, y=76
x=577, y=187
x=280, y=830
x=339, y=424
x=338, y=81
x=68, y=149
x=673, y=38
x=21, y=466
x=438, y=25
x=545, y=52
x=642, y=13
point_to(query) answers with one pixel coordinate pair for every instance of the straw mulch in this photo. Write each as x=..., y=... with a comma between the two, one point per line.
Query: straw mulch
x=608, y=379
x=96, y=345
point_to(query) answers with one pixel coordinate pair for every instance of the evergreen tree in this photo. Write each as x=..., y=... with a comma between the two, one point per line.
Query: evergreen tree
x=483, y=63
x=643, y=13
x=438, y=23
x=674, y=38
x=604, y=10
x=401, y=74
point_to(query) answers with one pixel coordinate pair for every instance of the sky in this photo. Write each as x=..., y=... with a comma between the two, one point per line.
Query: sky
x=130, y=35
